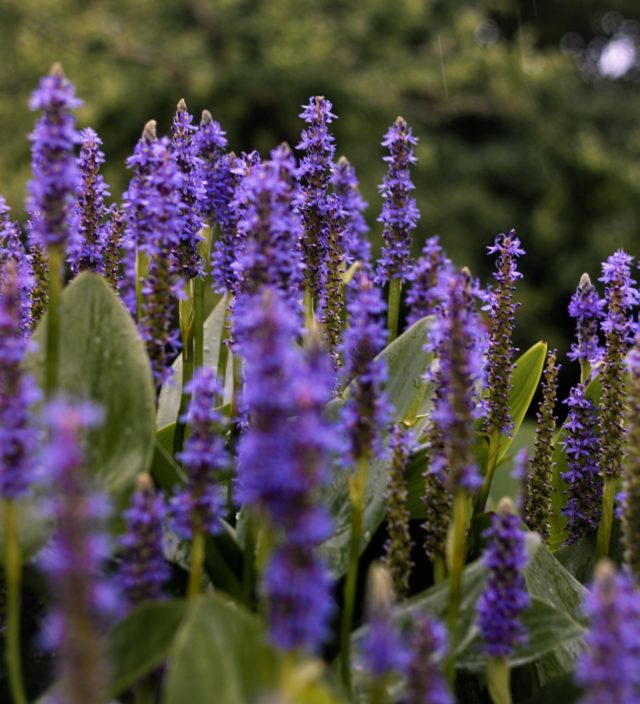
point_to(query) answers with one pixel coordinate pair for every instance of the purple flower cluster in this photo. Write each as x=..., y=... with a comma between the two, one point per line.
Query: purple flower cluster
x=366, y=410
x=12, y=249
x=211, y=141
x=422, y=297
x=425, y=681
x=505, y=595
x=55, y=172
x=502, y=310
x=86, y=245
x=143, y=572
x=280, y=385
x=400, y=213
x=582, y=446
x=346, y=188
x=587, y=309
x=112, y=247
x=332, y=302
x=198, y=507
x=631, y=474
x=609, y=669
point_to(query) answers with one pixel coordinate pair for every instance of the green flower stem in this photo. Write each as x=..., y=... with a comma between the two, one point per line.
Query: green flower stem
x=585, y=371
x=456, y=553
x=197, y=561
x=393, y=312
x=309, y=316
x=439, y=570
x=606, y=519
x=198, y=322
x=53, y=320
x=498, y=678
x=12, y=575
x=357, y=486
x=492, y=463
x=142, y=266
x=236, y=365
x=186, y=329
x=223, y=353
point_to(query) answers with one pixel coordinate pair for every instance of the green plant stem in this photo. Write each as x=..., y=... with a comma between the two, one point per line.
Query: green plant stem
x=197, y=561
x=498, y=680
x=54, y=254
x=606, y=519
x=439, y=570
x=142, y=265
x=357, y=486
x=585, y=371
x=309, y=316
x=236, y=365
x=12, y=575
x=456, y=553
x=198, y=322
x=393, y=311
x=223, y=352
x=186, y=329
x=492, y=463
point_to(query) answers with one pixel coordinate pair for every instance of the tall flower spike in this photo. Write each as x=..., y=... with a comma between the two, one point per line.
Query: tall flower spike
x=112, y=252
x=631, y=475
x=333, y=303
x=505, y=596
x=17, y=390
x=39, y=265
x=85, y=247
x=537, y=508
x=398, y=545
x=587, y=309
x=316, y=166
x=211, y=141
x=55, y=172
x=366, y=410
x=582, y=446
x=346, y=187
x=188, y=261
x=426, y=683
x=200, y=506
x=422, y=297
x=608, y=668
x=12, y=249
x=83, y=600
x=400, y=213
x=281, y=385
x=502, y=310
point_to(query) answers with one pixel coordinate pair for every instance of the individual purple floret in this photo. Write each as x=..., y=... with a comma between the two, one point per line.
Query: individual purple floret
x=400, y=213
x=346, y=187
x=55, y=172
x=143, y=571
x=18, y=437
x=426, y=683
x=316, y=165
x=458, y=339
x=366, y=410
x=185, y=150
x=199, y=507
x=422, y=297
x=505, y=595
x=83, y=601
x=86, y=245
x=502, y=310
x=582, y=446
x=608, y=670
x=210, y=141
x=587, y=309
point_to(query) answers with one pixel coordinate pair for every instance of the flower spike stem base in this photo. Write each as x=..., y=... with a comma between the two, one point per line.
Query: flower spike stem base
x=53, y=320
x=492, y=463
x=456, y=552
x=357, y=485
x=498, y=680
x=606, y=520
x=198, y=322
x=393, y=313
x=197, y=561
x=12, y=573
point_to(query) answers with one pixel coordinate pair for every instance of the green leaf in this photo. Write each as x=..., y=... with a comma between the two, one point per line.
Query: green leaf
x=169, y=401
x=407, y=363
x=563, y=689
x=103, y=359
x=165, y=470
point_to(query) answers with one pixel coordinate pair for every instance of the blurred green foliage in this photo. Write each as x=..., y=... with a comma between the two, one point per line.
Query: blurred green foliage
x=511, y=135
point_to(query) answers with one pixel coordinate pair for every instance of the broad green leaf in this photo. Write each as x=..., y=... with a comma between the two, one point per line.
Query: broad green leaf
x=103, y=360
x=165, y=470
x=407, y=363
x=169, y=401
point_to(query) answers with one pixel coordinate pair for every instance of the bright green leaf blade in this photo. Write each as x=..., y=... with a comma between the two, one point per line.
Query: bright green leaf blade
x=407, y=363
x=103, y=359
x=169, y=401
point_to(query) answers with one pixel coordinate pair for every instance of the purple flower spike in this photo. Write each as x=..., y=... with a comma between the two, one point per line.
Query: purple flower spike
x=144, y=571
x=422, y=297
x=502, y=310
x=189, y=263
x=426, y=683
x=505, y=595
x=346, y=187
x=84, y=601
x=200, y=506
x=587, y=309
x=582, y=446
x=366, y=411
x=17, y=391
x=315, y=174
x=55, y=172
x=112, y=251
x=85, y=248
x=12, y=249
x=399, y=211
x=609, y=669
x=631, y=474
x=210, y=141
